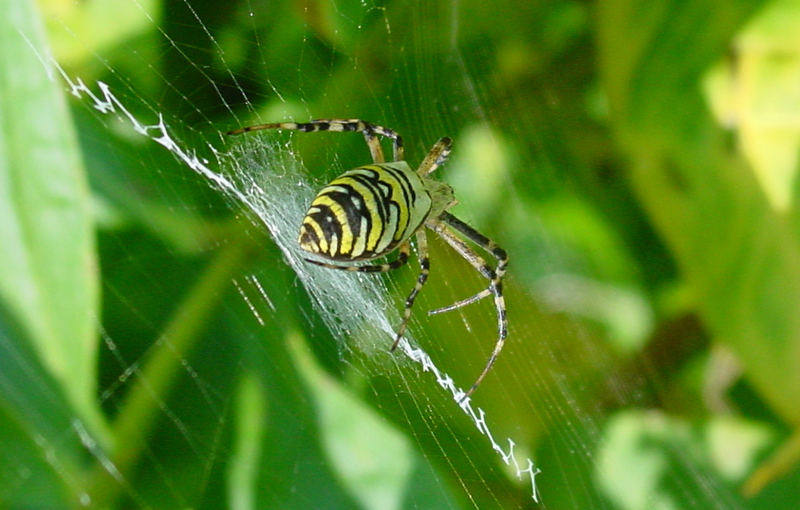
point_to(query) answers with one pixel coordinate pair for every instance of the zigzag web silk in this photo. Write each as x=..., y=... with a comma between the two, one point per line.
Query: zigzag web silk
x=268, y=180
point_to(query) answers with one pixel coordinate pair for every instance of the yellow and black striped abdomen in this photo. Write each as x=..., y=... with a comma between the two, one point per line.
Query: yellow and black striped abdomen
x=365, y=212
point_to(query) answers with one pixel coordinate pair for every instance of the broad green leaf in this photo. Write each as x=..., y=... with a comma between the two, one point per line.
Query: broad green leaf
x=737, y=250
x=48, y=271
x=40, y=444
x=292, y=469
x=373, y=459
x=755, y=91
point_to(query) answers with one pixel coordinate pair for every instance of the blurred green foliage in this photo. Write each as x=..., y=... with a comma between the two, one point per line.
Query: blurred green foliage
x=638, y=160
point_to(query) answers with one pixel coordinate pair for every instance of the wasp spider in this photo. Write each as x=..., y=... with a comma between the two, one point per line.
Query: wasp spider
x=372, y=210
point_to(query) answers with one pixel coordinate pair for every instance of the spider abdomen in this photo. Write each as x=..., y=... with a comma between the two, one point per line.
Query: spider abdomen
x=365, y=212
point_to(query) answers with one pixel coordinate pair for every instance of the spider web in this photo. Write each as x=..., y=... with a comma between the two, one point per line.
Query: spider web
x=268, y=180
x=365, y=427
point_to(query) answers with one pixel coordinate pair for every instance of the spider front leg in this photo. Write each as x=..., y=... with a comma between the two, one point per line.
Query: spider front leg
x=495, y=276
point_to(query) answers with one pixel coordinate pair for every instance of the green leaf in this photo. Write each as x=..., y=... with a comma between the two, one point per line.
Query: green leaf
x=646, y=458
x=728, y=233
x=757, y=90
x=373, y=459
x=48, y=271
x=40, y=444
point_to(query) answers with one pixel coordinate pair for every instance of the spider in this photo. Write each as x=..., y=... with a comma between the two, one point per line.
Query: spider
x=373, y=210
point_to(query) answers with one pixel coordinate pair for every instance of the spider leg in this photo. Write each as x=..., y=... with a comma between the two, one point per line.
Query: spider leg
x=424, y=264
x=442, y=226
x=482, y=241
x=369, y=130
x=397, y=140
x=464, y=302
x=375, y=149
x=401, y=259
x=436, y=156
